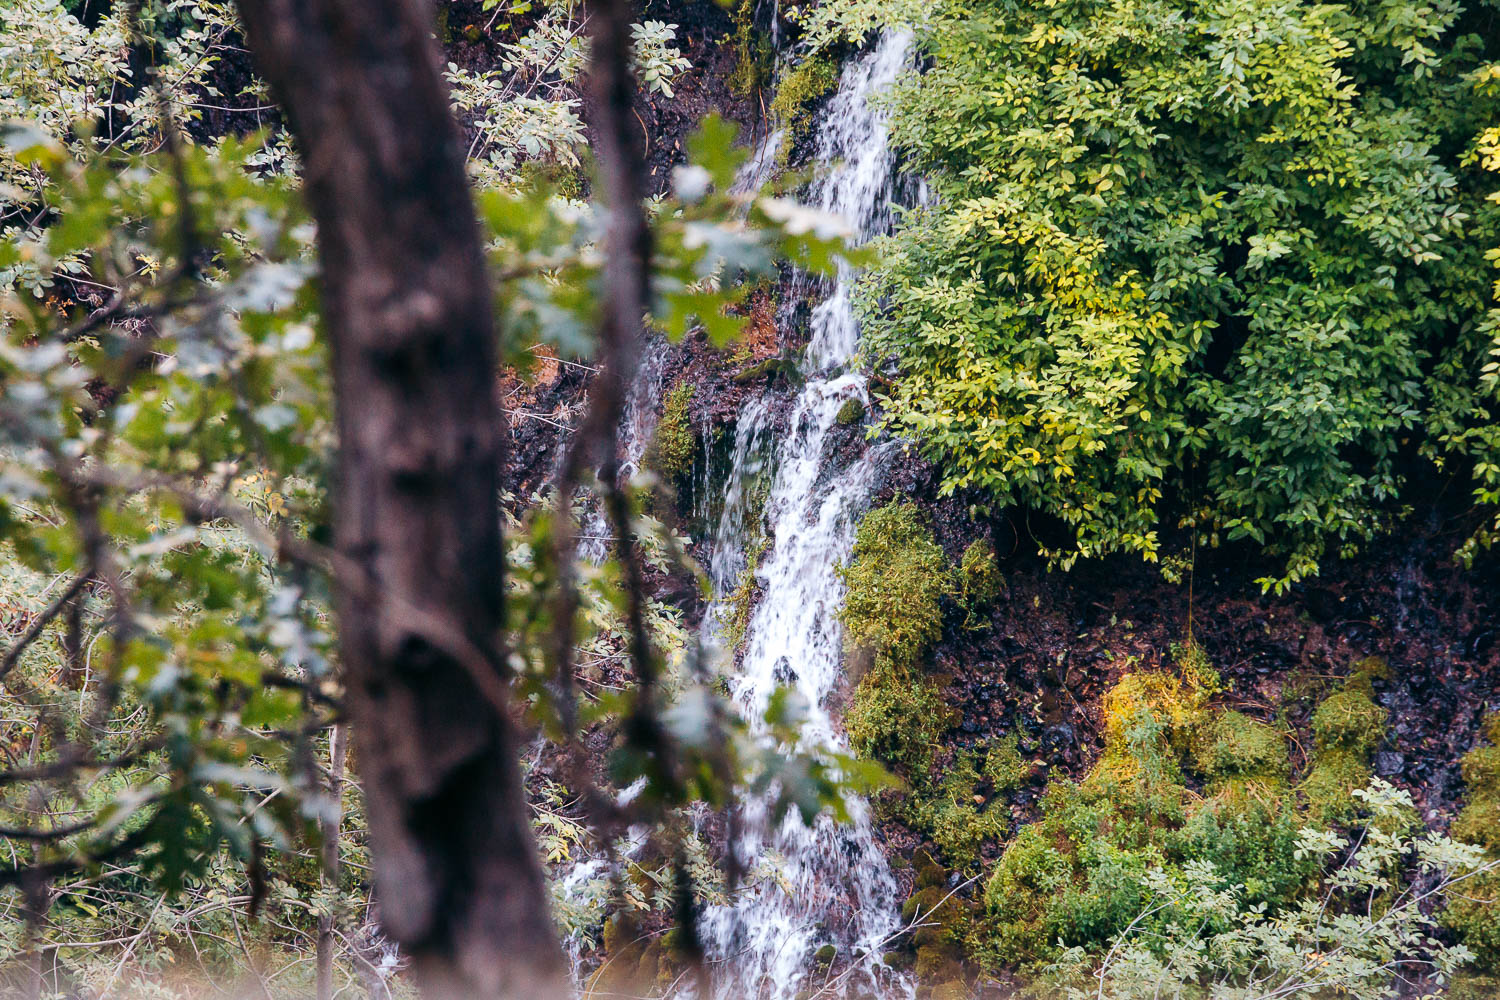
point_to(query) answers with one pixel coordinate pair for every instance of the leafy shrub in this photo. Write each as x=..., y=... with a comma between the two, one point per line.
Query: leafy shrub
x=897, y=577
x=1079, y=875
x=1153, y=250
x=1196, y=936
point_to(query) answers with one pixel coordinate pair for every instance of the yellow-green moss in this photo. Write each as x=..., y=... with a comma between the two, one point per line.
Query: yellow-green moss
x=546, y=175
x=1004, y=766
x=1474, y=986
x=1347, y=727
x=980, y=581
x=1475, y=914
x=1235, y=754
x=1076, y=875
x=741, y=601
x=939, y=943
x=896, y=579
x=1479, y=822
x=752, y=51
x=897, y=717
x=1149, y=707
x=674, y=445
x=954, y=815
x=792, y=106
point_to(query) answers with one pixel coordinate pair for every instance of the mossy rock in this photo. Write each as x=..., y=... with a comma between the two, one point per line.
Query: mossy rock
x=1347, y=727
x=624, y=969
x=852, y=412
x=929, y=874
x=1349, y=720
x=1481, y=771
x=796, y=93
x=955, y=990
x=766, y=369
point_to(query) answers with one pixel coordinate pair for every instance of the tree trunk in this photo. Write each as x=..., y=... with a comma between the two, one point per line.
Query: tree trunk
x=409, y=318
x=331, y=828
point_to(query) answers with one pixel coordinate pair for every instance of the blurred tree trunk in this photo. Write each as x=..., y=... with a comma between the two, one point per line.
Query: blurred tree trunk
x=408, y=314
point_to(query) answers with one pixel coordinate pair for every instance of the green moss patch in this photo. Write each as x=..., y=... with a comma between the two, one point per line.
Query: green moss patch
x=897, y=577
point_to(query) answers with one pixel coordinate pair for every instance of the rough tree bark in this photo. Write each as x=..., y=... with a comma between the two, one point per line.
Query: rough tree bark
x=408, y=314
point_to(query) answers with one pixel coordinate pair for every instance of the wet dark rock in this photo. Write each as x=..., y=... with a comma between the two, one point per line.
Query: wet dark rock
x=784, y=673
x=1389, y=764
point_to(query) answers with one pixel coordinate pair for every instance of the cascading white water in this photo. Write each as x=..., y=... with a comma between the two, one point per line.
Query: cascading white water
x=637, y=424
x=835, y=885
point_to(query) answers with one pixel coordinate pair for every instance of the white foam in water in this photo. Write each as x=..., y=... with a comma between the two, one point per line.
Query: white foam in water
x=836, y=887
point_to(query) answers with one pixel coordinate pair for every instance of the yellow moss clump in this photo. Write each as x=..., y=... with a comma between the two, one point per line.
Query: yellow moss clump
x=1153, y=707
x=1479, y=823
x=898, y=718
x=1076, y=876
x=674, y=445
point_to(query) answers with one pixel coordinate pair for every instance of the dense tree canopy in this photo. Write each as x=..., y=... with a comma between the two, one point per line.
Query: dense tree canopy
x=1219, y=262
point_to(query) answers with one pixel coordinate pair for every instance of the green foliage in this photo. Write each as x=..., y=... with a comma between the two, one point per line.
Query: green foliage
x=166, y=437
x=1234, y=750
x=949, y=814
x=980, y=582
x=1004, y=767
x=1195, y=936
x=1216, y=264
x=897, y=577
x=898, y=718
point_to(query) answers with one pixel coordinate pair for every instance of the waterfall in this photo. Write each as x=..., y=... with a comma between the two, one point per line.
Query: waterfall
x=835, y=886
